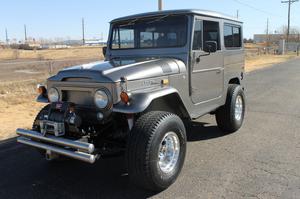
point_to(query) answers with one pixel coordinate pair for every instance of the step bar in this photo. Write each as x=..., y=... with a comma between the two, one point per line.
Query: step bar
x=71, y=148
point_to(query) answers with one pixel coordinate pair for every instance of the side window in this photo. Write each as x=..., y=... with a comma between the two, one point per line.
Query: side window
x=197, y=42
x=123, y=38
x=232, y=36
x=211, y=32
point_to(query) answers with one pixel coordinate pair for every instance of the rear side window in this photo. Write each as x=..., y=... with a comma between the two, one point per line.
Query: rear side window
x=232, y=36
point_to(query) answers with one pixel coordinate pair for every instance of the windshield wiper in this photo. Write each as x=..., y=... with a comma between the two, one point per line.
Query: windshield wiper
x=158, y=19
x=131, y=22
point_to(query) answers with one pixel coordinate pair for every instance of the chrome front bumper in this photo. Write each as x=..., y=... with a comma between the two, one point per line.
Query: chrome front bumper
x=71, y=148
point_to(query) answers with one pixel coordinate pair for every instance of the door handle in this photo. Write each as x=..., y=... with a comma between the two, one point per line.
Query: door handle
x=218, y=71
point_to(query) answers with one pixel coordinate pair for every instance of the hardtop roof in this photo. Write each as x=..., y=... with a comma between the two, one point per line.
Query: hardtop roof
x=178, y=12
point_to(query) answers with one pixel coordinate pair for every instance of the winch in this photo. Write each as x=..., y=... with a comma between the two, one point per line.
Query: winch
x=61, y=118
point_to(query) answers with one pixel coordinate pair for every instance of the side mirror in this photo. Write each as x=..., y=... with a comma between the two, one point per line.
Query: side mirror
x=210, y=46
x=104, y=50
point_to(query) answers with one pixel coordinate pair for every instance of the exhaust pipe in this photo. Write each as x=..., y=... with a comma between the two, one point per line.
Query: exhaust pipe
x=83, y=146
x=89, y=158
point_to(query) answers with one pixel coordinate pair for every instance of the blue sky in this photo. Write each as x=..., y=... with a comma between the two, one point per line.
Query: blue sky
x=62, y=18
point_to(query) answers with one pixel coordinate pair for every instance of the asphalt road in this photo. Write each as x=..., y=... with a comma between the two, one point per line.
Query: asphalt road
x=262, y=160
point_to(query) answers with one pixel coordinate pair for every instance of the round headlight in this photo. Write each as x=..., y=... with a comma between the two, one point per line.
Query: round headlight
x=53, y=95
x=101, y=99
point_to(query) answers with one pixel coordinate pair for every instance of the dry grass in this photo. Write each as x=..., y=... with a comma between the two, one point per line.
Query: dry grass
x=17, y=95
x=53, y=54
x=17, y=106
x=262, y=61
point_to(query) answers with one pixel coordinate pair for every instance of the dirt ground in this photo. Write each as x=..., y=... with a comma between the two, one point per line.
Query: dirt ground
x=18, y=80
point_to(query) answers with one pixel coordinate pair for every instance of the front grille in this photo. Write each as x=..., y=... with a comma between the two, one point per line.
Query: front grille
x=84, y=98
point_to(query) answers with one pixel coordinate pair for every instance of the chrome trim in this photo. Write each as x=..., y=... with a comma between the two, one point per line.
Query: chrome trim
x=218, y=69
x=238, y=112
x=83, y=146
x=89, y=158
x=168, y=153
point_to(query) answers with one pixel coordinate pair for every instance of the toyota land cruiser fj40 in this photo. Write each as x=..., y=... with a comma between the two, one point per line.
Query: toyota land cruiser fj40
x=162, y=70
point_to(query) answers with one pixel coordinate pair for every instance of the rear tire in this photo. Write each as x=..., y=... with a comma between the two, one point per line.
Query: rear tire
x=230, y=117
x=156, y=150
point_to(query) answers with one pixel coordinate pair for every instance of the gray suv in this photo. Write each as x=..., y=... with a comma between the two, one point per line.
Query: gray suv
x=162, y=70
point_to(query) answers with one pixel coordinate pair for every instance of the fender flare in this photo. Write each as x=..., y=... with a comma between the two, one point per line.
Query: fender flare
x=141, y=100
x=42, y=99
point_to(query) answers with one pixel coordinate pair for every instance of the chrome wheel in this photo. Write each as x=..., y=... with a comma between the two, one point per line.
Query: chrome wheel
x=238, y=112
x=168, y=153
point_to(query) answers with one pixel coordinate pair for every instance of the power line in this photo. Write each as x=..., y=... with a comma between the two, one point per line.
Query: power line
x=290, y=2
x=257, y=9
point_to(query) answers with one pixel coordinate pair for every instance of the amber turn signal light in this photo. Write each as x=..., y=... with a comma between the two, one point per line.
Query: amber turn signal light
x=124, y=97
x=41, y=89
x=165, y=81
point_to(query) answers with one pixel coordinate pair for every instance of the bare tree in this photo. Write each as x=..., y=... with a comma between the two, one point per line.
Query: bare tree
x=294, y=32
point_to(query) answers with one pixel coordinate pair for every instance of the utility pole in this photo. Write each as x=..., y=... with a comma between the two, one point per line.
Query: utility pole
x=290, y=2
x=237, y=14
x=83, y=30
x=267, y=31
x=268, y=37
x=25, y=33
x=160, y=5
x=6, y=36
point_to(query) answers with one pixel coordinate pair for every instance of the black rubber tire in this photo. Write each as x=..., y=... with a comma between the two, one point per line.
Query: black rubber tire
x=225, y=115
x=143, y=146
x=36, y=123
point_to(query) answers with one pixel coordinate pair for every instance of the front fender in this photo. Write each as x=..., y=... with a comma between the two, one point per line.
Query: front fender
x=139, y=101
x=42, y=99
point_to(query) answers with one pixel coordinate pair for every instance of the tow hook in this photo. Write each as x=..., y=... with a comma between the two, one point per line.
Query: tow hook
x=51, y=155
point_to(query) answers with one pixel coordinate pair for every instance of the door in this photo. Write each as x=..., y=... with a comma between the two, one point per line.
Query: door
x=207, y=71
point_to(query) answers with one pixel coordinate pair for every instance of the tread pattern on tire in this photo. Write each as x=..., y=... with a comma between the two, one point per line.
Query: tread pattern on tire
x=225, y=115
x=138, y=164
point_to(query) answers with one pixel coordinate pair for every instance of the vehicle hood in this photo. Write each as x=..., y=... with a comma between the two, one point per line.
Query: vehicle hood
x=112, y=71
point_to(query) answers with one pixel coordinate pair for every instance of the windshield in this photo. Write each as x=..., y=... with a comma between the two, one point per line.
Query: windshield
x=159, y=32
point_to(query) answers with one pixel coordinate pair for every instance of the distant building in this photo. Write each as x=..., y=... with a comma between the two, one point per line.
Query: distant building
x=274, y=38
x=95, y=42
x=35, y=45
x=55, y=46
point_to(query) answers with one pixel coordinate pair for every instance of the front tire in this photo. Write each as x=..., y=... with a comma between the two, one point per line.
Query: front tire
x=156, y=150
x=36, y=127
x=230, y=117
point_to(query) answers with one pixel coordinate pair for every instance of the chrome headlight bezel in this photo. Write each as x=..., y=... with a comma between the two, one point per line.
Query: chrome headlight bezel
x=53, y=94
x=102, y=98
